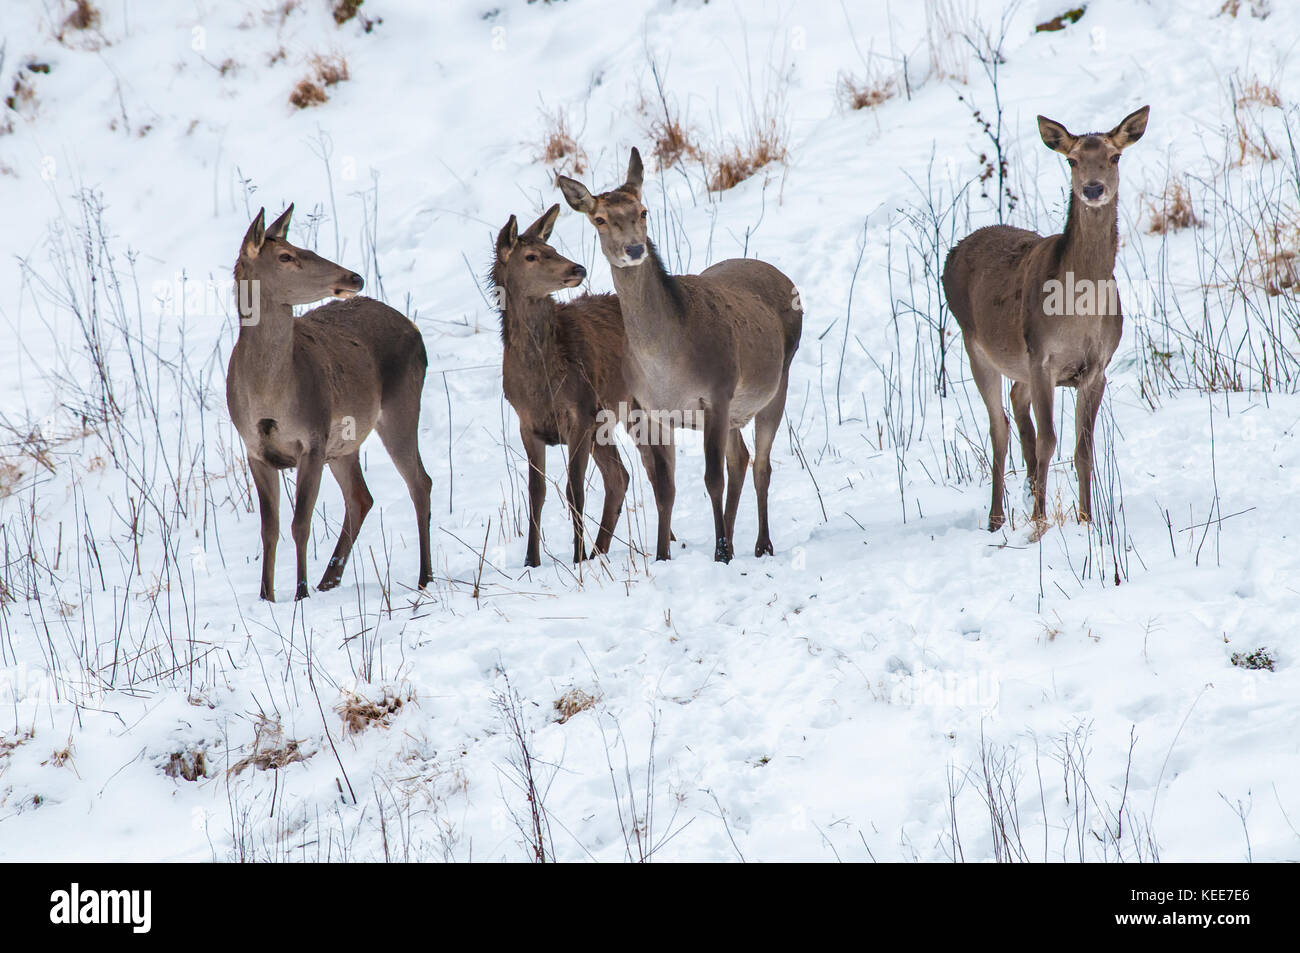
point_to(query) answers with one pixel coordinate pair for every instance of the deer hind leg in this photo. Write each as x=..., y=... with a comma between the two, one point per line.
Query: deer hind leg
x=536, y=451
x=1085, y=420
x=575, y=489
x=1042, y=395
x=1025, y=425
x=766, y=423
x=737, y=466
x=717, y=427
x=310, y=467
x=614, y=475
x=357, y=500
x=267, y=480
x=398, y=428
x=989, y=382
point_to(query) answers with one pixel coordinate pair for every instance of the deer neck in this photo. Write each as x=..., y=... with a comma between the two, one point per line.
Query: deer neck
x=652, y=304
x=1091, y=240
x=265, y=333
x=528, y=326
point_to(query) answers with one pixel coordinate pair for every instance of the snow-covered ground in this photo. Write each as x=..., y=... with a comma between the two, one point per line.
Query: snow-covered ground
x=865, y=693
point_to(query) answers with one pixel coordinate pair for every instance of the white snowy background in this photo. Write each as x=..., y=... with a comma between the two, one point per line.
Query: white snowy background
x=895, y=684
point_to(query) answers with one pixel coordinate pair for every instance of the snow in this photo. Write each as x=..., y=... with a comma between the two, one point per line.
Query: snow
x=847, y=698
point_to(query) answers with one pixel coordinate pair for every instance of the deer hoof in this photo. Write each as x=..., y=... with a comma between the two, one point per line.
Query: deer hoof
x=425, y=579
x=722, y=552
x=302, y=591
x=326, y=583
x=268, y=595
x=764, y=548
x=996, y=522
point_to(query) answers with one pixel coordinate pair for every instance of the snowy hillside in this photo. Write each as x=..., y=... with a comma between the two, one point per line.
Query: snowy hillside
x=896, y=683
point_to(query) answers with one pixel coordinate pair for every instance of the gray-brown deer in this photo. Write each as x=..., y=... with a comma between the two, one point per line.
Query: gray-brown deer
x=711, y=351
x=305, y=392
x=1045, y=312
x=562, y=371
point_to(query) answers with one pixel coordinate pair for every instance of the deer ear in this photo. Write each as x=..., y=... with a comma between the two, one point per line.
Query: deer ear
x=507, y=239
x=543, y=226
x=280, y=227
x=1055, y=136
x=634, y=173
x=255, y=235
x=1130, y=130
x=576, y=194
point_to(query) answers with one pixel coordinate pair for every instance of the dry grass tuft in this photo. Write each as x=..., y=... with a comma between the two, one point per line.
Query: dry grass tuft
x=84, y=16
x=11, y=475
x=1258, y=660
x=765, y=144
x=560, y=149
x=1277, y=254
x=572, y=702
x=8, y=743
x=1258, y=8
x=865, y=94
x=345, y=10
x=326, y=71
x=189, y=765
x=271, y=749
x=359, y=712
x=1174, y=211
x=1258, y=93
x=672, y=142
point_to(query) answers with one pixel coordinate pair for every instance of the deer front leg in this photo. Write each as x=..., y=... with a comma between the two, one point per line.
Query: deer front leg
x=267, y=480
x=575, y=489
x=1042, y=393
x=1085, y=421
x=536, y=451
x=310, y=466
x=717, y=428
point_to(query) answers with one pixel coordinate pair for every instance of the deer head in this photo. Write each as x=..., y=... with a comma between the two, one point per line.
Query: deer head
x=289, y=274
x=618, y=215
x=1094, y=158
x=528, y=265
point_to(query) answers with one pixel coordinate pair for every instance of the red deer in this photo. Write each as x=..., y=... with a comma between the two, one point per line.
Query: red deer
x=1006, y=288
x=711, y=351
x=305, y=392
x=562, y=371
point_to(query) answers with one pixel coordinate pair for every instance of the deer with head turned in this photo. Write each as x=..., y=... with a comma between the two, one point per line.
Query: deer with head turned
x=562, y=371
x=711, y=351
x=1045, y=312
x=306, y=392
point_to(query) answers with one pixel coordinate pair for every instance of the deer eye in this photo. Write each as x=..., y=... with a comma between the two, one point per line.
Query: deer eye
x=599, y=221
x=643, y=215
x=1072, y=162
x=286, y=257
x=1114, y=160
x=530, y=257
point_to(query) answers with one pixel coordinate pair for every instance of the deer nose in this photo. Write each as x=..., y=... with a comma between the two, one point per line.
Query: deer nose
x=635, y=252
x=578, y=271
x=1093, y=191
x=357, y=281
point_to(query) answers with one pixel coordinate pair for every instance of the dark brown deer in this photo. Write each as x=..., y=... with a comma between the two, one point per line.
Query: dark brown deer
x=562, y=371
x=1045, y=312
x=305, y=392
x=710, y=351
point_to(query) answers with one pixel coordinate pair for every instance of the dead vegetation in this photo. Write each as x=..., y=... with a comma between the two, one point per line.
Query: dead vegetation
x=572, y=702
x=188, y=765
x=271, y=749
x=763, y=145
x=83, y=16
x=1277, y=254
x=1258, y=660
x=560, y=149
x=1172, y=211
x=1259, y=9
x=359, y=712
x=9, y=743
x=326, y=71
x=854, y=93
x=1061, y=21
